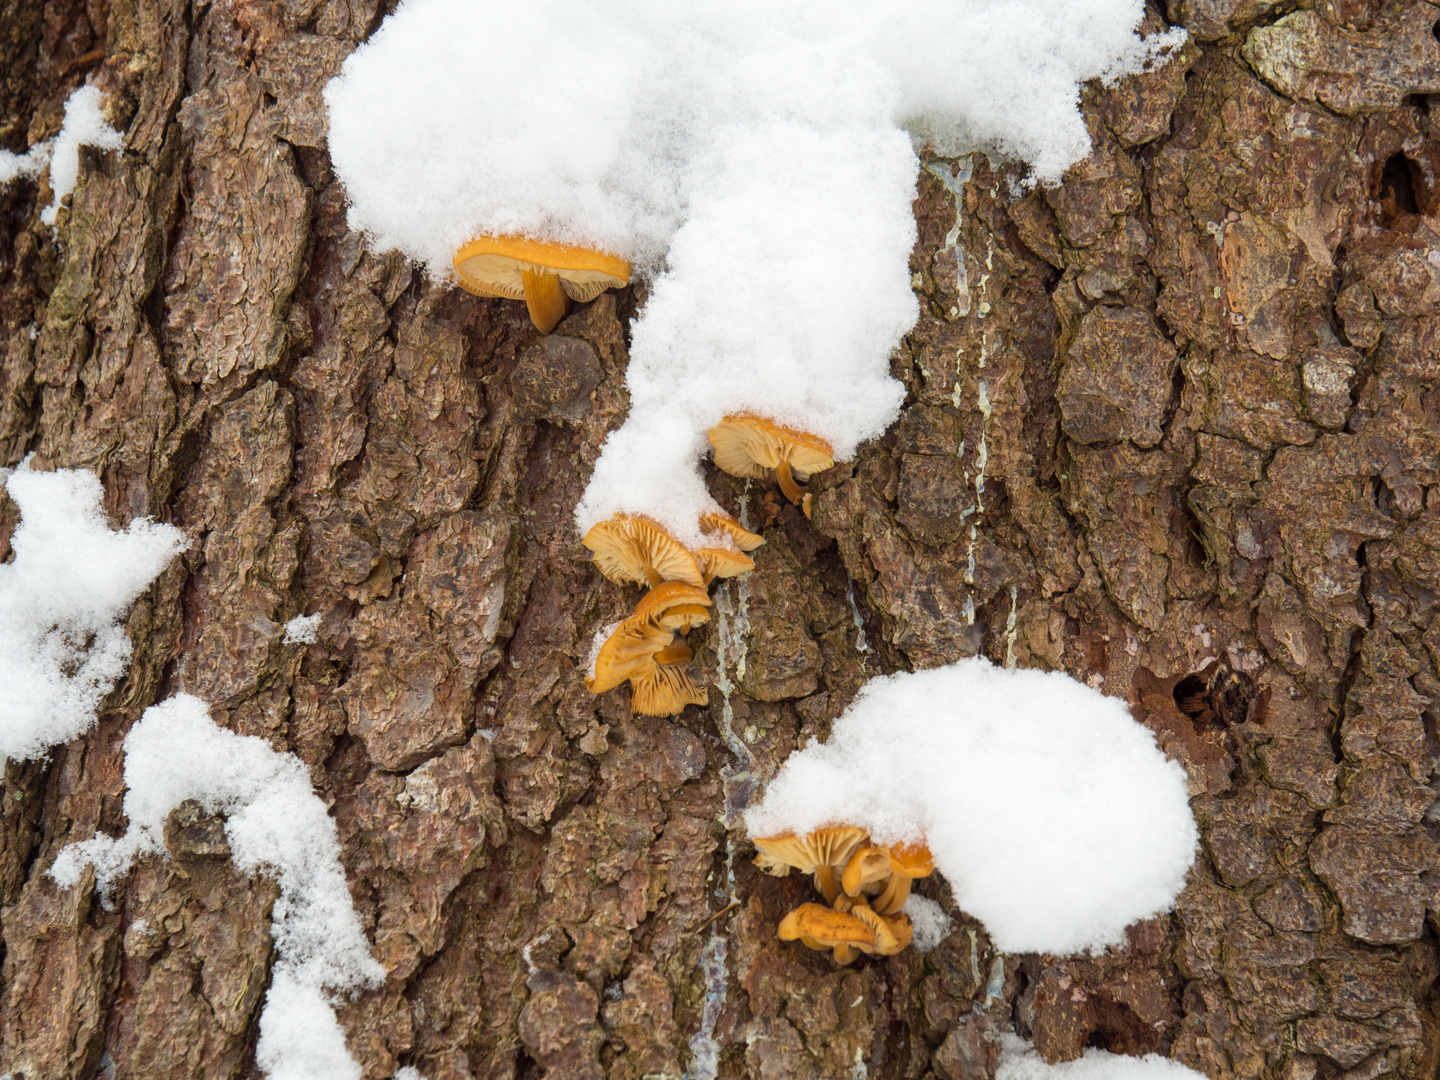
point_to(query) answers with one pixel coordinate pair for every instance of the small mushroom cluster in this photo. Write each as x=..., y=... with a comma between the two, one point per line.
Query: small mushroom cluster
x=642, y=649
x=633, y=549
x=864, y=884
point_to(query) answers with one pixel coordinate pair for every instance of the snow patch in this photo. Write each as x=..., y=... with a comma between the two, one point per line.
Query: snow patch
x=72, y=580
x=928, y=921
x=274, y=824
x=753, y=160
x=302, y=630
x=1019, y=1060
x=1049, y=810
x=84, y=125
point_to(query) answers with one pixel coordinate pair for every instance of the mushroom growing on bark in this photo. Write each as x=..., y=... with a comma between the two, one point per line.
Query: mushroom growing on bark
x=749, y=445
x=819, y=927
x=738, y=535
x=642, y=650
x=859, y=880
x=630, y=548
x=546, y=276
x=820, y=853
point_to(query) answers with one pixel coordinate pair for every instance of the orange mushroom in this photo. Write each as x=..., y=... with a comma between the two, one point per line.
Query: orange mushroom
x=642, y=650
x=665, y=688
x=749, y=445
x=819, y=927
x=740, y=536
x=892, y=934
x=818, y=852
x=869, y=865
x=631, y=548
x=545, y=275
x=722, y=563
x=907, y=862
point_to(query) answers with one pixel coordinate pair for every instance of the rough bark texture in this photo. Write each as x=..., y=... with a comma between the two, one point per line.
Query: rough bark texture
x=1172, y=427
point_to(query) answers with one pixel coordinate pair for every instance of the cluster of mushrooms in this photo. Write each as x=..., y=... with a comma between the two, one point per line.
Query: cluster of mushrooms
x=632, y=549
x=864, y=885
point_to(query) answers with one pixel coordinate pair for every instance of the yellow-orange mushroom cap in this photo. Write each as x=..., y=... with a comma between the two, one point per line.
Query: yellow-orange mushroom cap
x=627, y=652
x=674, y=605
x=830, y=846
x=866, y=866
x=722, y=563
x=636, y=550
x=907, y=862
x=740, y=536
x=819, y=927
x=547, y=276
x=891, y=934
x=749, y=445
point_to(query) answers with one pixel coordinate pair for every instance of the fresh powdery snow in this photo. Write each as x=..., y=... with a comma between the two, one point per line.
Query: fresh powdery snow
x=72, y=580
x=276, y=824
x=1052, y=814
x=1020, y=1061
x=753, y=160
x=928, y=922
x=84, y=125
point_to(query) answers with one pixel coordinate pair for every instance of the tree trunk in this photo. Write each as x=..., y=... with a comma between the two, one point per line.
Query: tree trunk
x=1172, y=427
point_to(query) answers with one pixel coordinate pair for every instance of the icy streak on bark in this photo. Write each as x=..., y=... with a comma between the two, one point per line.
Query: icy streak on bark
x=982, y=459
x=956, y=186
x=738, y=781
x=862, y=644
x=1010, y=630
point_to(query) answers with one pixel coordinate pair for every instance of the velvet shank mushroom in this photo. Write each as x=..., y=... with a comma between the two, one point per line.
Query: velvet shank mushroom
x=629, y=548
x=819, y=927
x=907, y=862
x=749, y=445
x=546, y=276
x=724, y=524
x=642, y=649
x=819, y=853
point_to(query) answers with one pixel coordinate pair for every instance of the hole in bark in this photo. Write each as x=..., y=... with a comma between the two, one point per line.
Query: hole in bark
x=1435, y=31
x=1118, y=1029
x=1397, y=189
x=1192, y=698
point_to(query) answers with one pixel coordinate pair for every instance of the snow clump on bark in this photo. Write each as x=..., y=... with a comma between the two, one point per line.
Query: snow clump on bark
x=84, y=125
x=72, y=580
x=1051, y=812
x=1021, y=1061
x=751, y=159
x=275, y=824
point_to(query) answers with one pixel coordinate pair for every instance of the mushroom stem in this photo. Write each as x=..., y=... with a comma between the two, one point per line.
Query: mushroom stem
x=545, y=299
x=894, y=896
x=825, y=882
x=787, y=482
x=652, y=575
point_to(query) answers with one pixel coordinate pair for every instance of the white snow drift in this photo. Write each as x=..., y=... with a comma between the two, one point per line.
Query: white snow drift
x=1052, y=813
x=748, y=157
x=274, y=824
x=84, y=125
x=1020, y=1061
x=72, y=580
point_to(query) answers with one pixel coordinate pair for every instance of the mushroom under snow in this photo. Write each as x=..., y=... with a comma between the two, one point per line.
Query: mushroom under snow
x=1050, y=811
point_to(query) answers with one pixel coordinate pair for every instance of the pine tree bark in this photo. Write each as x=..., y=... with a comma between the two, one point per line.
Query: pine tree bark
x=1172, y=427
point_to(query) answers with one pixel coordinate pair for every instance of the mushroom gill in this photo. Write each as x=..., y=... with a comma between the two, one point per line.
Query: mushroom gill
x=642, y=649
x=633, y=549
x=750, y=445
